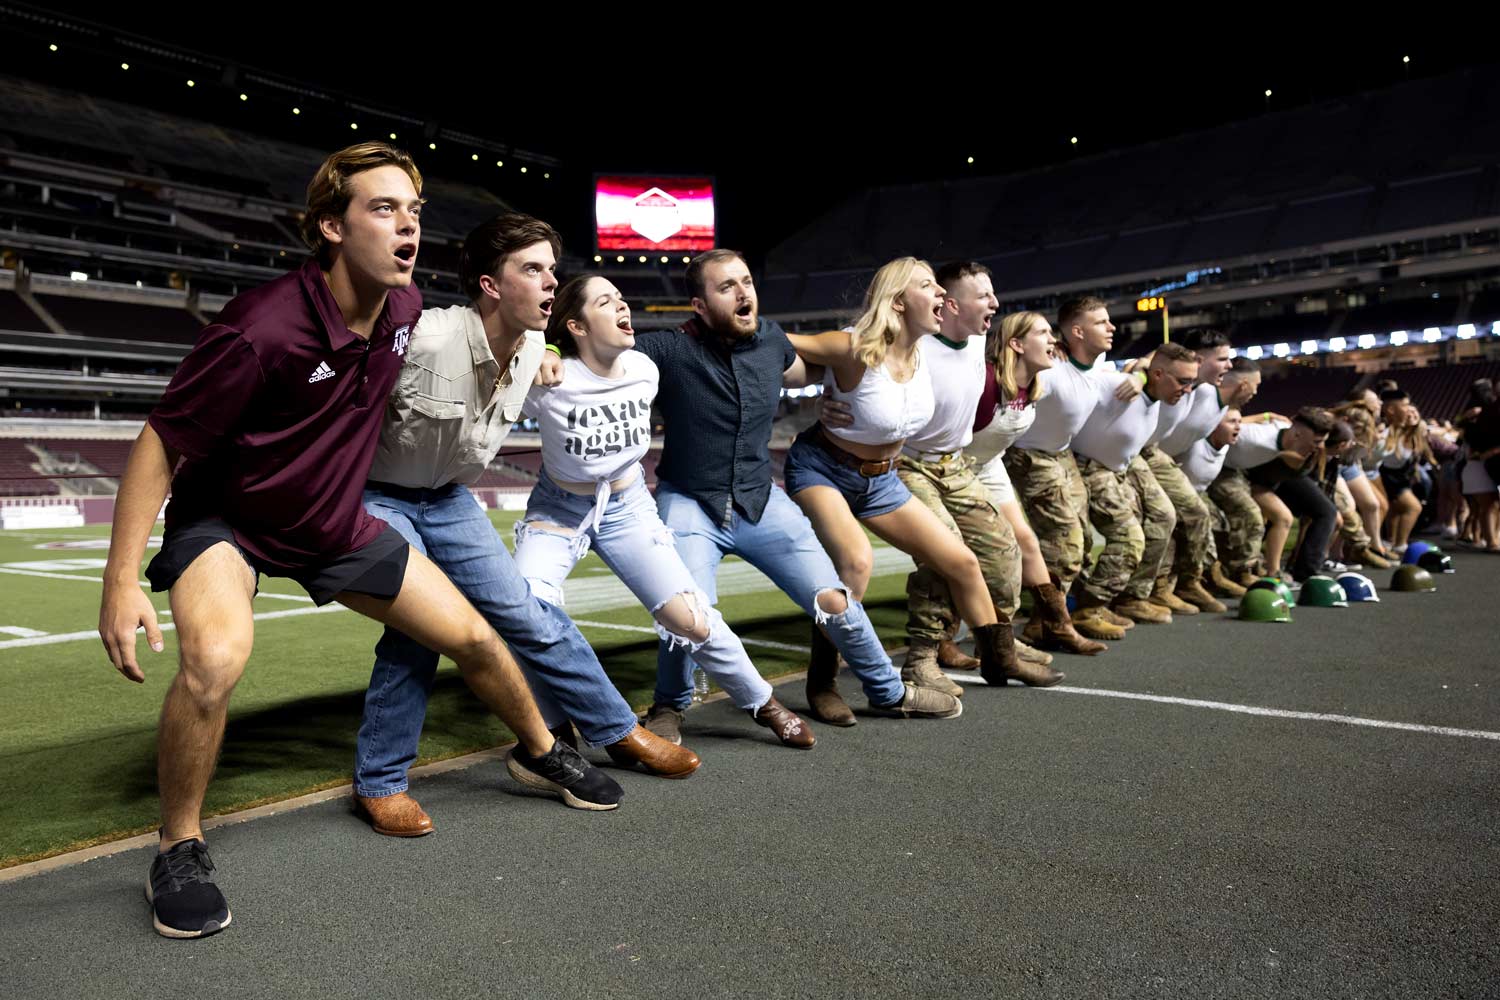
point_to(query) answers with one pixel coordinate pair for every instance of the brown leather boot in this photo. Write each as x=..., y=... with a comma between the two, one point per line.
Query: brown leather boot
x=1055, y=625
x=790, y=730
x=1091, y=622
x=951, y=657
x=823, y=699
x=660, y=757
x=1163, y=597
x=1221, y=582
x=999, y=663
x=1197, y=595
x=396, y=815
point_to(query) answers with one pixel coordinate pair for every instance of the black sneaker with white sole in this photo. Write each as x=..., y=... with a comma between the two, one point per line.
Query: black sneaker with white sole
x=185, y=903
x=565, y=771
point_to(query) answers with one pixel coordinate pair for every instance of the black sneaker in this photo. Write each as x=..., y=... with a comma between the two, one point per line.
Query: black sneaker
x=564, y=770
x=185, y=903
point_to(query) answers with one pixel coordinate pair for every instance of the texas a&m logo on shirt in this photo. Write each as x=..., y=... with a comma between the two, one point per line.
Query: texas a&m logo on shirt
x=403, y=336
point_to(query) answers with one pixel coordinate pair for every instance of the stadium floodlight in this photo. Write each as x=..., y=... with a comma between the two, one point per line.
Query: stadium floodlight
x=244, y=97
x=393, y=135
x=354, y=126
x=1366, y=341
x=1281, y=350
x=598, y=259
x=547, y=176
x=1406, y=60
x=432, y=145
x=1254, y=353
x=1495, y=328
x=1336, y=344
x=643, y=258
x=1432, y=334
x=1465, y=331
x=687, y=260
x=296, y=111
x=52, y=47
x=664, y=260
x=620, y=259
x=1073, y=140
x=192, y=83
x=1309, y=347
x=1398, y=337
x=971, y=159
x=523, y=170
x=499, y=163
x=124, y=65
x=78, y=275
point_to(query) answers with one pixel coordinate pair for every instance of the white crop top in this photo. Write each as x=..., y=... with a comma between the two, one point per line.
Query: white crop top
x=884, y=411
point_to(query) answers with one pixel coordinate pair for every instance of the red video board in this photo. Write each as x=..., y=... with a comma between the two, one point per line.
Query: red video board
x=654, y=214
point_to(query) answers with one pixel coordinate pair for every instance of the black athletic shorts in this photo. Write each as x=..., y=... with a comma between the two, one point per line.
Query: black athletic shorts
x=376, y=569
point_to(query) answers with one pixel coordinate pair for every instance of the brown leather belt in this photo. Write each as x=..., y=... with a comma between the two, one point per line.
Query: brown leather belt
x=865, y=467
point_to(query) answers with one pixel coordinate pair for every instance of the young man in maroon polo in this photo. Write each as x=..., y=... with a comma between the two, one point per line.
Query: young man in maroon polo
x=276, y=412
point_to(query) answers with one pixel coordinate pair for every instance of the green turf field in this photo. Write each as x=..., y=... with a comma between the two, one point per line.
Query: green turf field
x=78, y=739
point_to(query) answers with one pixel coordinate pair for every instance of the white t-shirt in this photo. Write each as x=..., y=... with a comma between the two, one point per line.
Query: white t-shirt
x=1169, y=417
x=1116, y=432
x=1206, y=412
x=957, y=381
x=1069, y=394
x=595, y=429
x=1258, y=444
x=1201, y=463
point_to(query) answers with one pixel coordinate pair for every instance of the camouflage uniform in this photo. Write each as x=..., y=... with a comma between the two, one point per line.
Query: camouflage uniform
x=1187, y=550
x=1244, y=525
x=950, y=489
x=1112, y=510
x=1051, y=491
x=1157, y=519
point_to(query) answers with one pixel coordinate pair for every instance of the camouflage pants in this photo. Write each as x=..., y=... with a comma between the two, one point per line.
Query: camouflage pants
x=1244, y=526
x=1216, y=526
x=1112, y=511
x=1052, y=493
x=1187, y=550
x=1158, y=520
x=952, y=491
x=1351, y=528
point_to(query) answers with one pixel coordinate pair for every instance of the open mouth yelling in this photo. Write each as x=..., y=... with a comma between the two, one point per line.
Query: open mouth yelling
x=624, y=324
x=744, y=311
x=546, y=307
x=406, y=256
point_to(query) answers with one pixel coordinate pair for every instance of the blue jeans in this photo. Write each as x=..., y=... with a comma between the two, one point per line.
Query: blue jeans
x=450, y=528
x=809, y=463
x=639, y=549
x=783, y=547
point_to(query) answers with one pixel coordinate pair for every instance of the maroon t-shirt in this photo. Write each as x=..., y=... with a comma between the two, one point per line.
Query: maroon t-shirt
x=277, y=411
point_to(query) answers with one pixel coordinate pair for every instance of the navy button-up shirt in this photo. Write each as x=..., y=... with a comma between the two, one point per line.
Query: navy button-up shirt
x=718, y=399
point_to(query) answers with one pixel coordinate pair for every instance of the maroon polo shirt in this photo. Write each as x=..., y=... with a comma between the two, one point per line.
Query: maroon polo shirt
x=277, y=412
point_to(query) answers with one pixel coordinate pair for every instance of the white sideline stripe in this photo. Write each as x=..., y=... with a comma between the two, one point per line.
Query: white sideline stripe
x=48, y=640
x=640, y=628
x=144, y=583
x=1281, y=713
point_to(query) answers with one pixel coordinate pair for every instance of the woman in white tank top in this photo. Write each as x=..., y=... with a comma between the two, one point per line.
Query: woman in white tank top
x=845, y=480
x=1017, y=351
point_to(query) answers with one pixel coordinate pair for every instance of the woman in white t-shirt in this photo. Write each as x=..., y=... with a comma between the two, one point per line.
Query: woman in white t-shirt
x=595, y=427
x=844, y=478
x=1017, y=353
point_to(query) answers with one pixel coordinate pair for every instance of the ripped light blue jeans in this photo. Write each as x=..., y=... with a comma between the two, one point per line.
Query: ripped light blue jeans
x=783, y=547
x=629, y=536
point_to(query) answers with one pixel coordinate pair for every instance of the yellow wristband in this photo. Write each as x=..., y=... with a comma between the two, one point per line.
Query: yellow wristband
x=555, y=349
x=1141, y=376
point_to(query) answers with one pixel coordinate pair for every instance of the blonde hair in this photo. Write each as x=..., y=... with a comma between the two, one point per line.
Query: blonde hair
x=879, y=324
x=1413, y=438
x=328, y=193
x=1012, y=327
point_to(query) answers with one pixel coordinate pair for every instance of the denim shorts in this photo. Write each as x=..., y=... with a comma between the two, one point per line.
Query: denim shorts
x=808, y=463
x=1350, y=473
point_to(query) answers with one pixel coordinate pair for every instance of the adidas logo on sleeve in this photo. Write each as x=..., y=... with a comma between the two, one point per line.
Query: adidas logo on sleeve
x=322, y=372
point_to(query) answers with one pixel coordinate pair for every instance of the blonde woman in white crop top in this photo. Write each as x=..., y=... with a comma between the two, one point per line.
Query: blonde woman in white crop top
x=596, y=426
x=845, y=480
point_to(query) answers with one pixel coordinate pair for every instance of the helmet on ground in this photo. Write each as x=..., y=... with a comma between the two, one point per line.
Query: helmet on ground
x=1414, y=552
x=1358, y=587
x=1409, y=578
x=1278, y=585
x=1322, y=592
x=1436, y=561
x=1264, y=605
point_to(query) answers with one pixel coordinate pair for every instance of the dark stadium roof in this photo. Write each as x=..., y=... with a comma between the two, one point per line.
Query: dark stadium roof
x=788, y=116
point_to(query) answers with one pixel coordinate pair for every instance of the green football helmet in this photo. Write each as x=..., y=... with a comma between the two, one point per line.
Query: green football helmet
x=1322, y=592
x=1263, y=604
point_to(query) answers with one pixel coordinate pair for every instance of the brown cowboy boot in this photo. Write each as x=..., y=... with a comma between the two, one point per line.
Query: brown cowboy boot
x=998, y=661
x=951, y=657
x=1055, y=625
x=823, y=699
